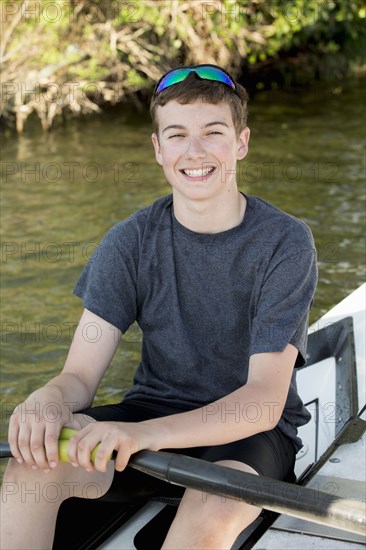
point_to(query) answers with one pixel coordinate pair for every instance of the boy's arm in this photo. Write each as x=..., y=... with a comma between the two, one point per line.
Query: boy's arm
x=35, y=424
x=92, y=349
x=255, y=407
x=225, y=420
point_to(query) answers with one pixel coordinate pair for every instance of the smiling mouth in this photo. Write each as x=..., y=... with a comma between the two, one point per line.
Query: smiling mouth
x=198, y=172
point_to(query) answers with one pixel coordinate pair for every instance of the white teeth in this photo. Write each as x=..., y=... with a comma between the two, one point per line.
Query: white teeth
x=199, y=172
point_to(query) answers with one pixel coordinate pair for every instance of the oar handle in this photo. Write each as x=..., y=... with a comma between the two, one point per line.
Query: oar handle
x=63, y=442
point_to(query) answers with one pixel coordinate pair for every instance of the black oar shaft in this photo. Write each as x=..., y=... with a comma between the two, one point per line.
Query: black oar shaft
x=277, y=496
x=5, y=451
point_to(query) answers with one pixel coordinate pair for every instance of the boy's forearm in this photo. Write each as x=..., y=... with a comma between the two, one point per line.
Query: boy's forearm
x=240, y=414
x=255, y=407
x=85, y=364
x=72, y=391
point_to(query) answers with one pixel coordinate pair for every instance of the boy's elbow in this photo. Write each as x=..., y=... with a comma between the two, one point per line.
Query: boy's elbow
x=272, y=413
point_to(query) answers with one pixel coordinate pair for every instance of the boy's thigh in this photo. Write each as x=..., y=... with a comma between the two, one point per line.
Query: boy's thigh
x=271, y=454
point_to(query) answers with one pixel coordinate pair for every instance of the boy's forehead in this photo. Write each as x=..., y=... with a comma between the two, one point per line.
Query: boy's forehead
x=188, y=113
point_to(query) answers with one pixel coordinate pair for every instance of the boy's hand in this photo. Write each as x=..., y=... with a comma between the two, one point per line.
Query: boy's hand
x=125, y=438
x=35, y=426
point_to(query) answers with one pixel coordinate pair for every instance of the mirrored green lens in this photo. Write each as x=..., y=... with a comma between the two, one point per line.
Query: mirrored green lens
x=173, y=78
x=205, y=72
x=210, y=73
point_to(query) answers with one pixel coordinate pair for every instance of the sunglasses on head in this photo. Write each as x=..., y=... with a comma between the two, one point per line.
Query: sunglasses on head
x=206, y=72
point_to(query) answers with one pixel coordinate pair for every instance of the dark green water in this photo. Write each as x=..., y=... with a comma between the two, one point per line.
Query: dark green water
x=62, y=191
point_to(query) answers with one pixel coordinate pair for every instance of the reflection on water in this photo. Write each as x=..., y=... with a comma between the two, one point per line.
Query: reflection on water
x=62, y=191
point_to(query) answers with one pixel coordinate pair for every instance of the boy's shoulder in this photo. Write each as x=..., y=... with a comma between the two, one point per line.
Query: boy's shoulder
x=267, y=216
x=154, y=209
x=136, y=223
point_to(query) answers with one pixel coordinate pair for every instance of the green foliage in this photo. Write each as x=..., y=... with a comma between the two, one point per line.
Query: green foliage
x=124, y=46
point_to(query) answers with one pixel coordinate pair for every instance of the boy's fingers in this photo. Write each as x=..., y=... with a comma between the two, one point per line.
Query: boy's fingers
x=24, y=446
x=71, y=449
x=102, y=454
x=121, y=460
x=13, y=442
x=37, y=447
x=79, y=450
x=84, y=451
x=73, y=439
x=88, y=449
x=51, y=446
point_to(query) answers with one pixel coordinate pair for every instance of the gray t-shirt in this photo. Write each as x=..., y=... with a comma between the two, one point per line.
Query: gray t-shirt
x=206, y=302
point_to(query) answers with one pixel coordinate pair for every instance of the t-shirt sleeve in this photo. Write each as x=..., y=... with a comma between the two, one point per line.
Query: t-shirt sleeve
x=107, y=284
x=283, y=305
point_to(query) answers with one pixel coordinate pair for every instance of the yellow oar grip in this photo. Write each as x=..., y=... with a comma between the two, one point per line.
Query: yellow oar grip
x=66, y=433
x=63, y=442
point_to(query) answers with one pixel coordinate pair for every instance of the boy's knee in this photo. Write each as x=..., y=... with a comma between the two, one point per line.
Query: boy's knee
x=18, y=472
x=55, y=486
x=209, y=521
x=223, y=510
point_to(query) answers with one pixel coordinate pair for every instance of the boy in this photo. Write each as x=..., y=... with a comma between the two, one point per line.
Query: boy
x=221, y=284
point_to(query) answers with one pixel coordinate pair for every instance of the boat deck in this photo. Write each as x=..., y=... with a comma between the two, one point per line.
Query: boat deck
x=344, y=472
x=344, y=475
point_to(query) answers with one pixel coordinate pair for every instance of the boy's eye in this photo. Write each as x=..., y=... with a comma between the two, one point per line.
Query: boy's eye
x=212, y=133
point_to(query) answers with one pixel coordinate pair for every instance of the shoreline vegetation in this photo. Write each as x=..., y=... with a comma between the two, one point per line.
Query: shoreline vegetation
x=77, y=57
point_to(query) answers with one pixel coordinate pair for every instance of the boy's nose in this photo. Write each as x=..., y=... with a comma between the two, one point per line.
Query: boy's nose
x=195, y=149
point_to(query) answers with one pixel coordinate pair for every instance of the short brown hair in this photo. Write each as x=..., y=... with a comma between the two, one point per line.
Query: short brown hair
x=194, y=88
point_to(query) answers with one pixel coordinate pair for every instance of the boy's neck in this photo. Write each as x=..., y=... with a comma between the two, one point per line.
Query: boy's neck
x=210, y=216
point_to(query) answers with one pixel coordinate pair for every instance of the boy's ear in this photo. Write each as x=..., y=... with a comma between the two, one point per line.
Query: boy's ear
x=243, y=142
x=156, y=144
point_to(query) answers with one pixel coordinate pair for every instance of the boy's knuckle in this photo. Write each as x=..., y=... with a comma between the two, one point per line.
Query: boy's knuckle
x=101, y=453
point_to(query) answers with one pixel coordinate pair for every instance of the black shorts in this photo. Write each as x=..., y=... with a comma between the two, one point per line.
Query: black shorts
x=271, y=454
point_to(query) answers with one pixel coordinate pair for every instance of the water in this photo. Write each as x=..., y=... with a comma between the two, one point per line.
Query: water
x=62, y=191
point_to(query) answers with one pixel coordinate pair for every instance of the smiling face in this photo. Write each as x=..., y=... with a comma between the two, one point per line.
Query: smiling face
x=198, y=148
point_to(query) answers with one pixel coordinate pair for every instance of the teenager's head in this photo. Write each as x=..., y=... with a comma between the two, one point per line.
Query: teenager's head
x=205, y=83
x=201, y=132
